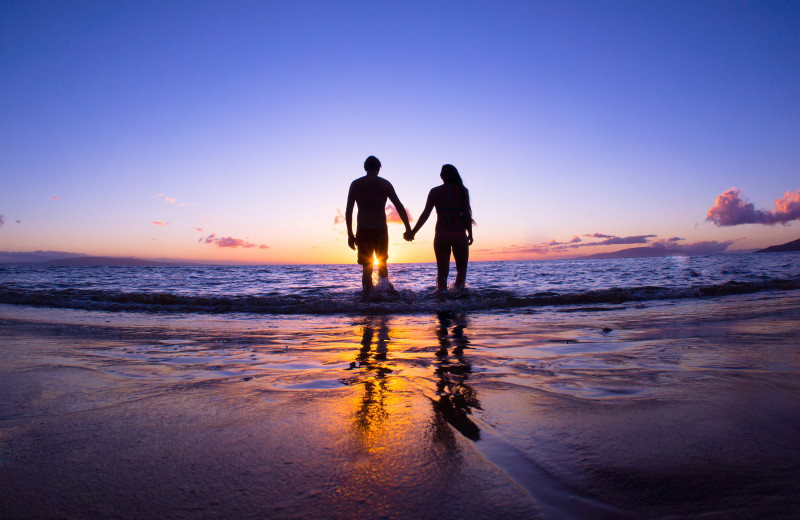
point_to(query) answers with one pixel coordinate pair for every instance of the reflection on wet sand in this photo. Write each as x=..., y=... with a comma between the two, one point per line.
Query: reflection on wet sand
x=372, y=412
x=455, y=398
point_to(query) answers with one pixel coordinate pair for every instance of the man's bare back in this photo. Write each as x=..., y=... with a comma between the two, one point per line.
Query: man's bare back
x=370, y=192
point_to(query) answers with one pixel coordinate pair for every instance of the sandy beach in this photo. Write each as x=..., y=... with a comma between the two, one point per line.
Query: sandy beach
x=684, y=409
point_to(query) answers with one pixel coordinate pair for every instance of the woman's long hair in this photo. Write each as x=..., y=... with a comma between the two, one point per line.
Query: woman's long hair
x=450, y=176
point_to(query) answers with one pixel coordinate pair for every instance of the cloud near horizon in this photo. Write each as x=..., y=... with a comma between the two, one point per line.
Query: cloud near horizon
x=732, y=209
x=671, y=244
x=608, y=240
x=576, y=239
x=230, y=242
x=159, y=223
x=392, y=216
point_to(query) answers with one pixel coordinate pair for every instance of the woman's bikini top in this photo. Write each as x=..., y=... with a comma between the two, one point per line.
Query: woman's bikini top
x=447, y=212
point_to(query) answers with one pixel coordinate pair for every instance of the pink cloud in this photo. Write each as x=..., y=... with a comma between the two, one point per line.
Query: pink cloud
x=576, y=242
x=393, y=216
x=230, y=242
x=576, y=239
x=634, y=239
x=514, y=248
x=53, y=198
x=199, y=229
x=173, y=200
x=709, y=247
x=608, y=240
x=732, y=209
x=233, y=242
x=159, y=223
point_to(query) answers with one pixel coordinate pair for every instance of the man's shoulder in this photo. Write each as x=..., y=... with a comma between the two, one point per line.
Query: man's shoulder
x=384, y=182
x=369, y=180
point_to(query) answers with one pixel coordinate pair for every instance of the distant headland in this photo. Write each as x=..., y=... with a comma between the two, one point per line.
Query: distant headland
x=61, y=258
x=794, y=245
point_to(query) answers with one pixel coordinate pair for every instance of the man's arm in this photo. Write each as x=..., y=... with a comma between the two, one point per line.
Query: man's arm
x=348, y=218
x=399, y=207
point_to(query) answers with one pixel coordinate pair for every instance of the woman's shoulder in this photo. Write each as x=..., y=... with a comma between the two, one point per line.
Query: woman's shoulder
x=434, y=191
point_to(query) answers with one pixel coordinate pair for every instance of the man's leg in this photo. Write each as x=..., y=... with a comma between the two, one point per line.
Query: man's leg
x=366, y=278
x=382, y=254
x=383, y=268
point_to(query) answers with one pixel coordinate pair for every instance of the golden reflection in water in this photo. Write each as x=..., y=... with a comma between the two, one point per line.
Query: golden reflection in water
x=391, y=382
x=372, y=408
x=411, y=401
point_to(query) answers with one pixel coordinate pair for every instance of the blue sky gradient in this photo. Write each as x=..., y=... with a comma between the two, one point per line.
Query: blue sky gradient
x=564, y=118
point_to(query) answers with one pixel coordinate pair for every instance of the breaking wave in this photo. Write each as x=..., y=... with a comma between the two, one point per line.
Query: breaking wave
x=346, y=302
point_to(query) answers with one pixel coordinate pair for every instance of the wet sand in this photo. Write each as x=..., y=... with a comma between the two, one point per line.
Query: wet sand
x=684, y=409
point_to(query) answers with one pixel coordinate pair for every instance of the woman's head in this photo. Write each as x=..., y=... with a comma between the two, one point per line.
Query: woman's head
x=450, y=175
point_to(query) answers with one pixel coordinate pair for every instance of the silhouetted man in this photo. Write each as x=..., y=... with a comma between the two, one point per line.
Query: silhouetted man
x=372, y=235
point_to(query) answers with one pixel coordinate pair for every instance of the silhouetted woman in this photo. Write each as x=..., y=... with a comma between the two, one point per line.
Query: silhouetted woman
x=453, y=226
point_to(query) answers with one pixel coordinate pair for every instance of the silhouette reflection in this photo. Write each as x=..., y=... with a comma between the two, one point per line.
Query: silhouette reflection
x=372, y=412
x=455, y=397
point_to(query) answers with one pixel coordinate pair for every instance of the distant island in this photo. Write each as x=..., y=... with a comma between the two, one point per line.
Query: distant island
x=794, y=245
x=106, y=261
x=60, y=258
x=639, y=252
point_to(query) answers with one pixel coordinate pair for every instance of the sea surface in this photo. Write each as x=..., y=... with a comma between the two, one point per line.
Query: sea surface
x=335, y=289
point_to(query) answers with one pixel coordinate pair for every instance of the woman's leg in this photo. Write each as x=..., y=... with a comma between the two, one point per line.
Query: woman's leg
x=461, y=254
x=441, y=248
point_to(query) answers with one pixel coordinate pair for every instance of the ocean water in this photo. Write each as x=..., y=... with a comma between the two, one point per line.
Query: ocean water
x=334, y=289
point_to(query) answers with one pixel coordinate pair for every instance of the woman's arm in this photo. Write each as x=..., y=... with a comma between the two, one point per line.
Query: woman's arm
x=468, y=216
x=425, y=214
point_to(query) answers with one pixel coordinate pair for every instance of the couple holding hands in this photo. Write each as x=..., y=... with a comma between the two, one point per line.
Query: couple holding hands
x=453, y=224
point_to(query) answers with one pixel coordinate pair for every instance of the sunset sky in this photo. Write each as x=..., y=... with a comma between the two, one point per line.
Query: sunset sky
x=230, y=131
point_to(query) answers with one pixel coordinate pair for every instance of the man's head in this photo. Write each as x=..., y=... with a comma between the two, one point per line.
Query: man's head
x=372, y=164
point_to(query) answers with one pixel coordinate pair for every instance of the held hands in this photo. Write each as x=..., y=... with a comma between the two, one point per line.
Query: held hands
x=409, y=235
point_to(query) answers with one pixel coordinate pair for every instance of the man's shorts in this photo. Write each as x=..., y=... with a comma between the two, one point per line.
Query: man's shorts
x=372, y=241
